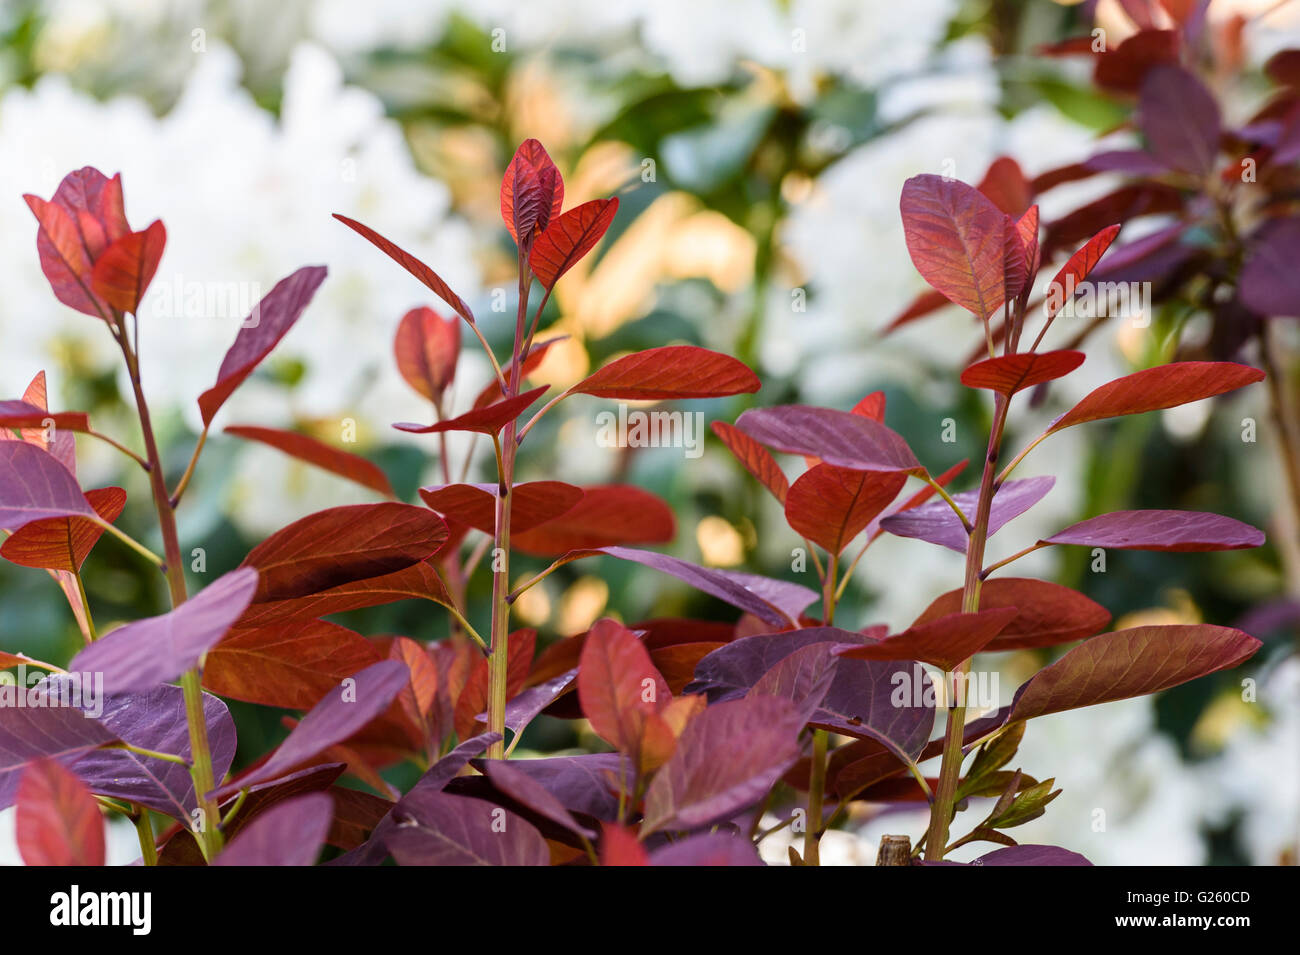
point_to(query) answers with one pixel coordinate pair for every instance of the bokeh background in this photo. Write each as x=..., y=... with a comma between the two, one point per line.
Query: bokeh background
x=758, y=148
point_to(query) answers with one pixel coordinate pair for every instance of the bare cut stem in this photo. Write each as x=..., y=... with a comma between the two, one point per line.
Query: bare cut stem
x=950, y=768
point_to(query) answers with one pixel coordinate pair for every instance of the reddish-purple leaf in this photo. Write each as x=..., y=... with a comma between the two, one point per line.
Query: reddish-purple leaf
x=30, y=417
x=531, y=504
x=532, y=192
x=1270, y=281
x=568, y=238
x=1007, y=374
x=1134, y=162
x=830, y=506
x=289, y=664
x=1076, y=269
x=840, y=438
x=1046, y=614
x=1116, y=666
x=260, y=333
x=419, y=581
x=1165, y=386
x=526, y=791
x=58, y=820
x=675, y=371
x=1024, y=855
x=755, y=458
x=619, y=688
x=486, y=420
x=342, y=545
x=63, y=543
x=1123, y=68
x=314, y=451
x=34, y=486
x=955, y=236
x=727, y=758
x=707, y=849
x=289, y=834
x=936, y=523
x=123, y=272
x=426, y=348
x=945, y=642
x=343, y=712
x=64, y=258
x=1160, y=530
x=413, y=265
x=156, y=650
x=1180, y=119
x=606, y=515
x=886, y=700
x=522, y=708
x=28, y=733
x=737, y=668
x=435, y=828
x=1006, y=186
x=803, y=678
x=924, y=304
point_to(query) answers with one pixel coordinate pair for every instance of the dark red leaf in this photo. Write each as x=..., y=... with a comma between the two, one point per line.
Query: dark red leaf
x=755, y=458
x=1124, y=68
x=426, y=348
x=620, y=846
x=1180, y=119
x=413, y=265
x=568, y=238
x=531, y=504
x=945, y=642
x=830, y=506
x=486, y=420
x=607, y=514
x=419, y=581
x=619, y=688
x=1046, y=614
x=675, y=371
x=1076, y=269
x=58, y=820
x=1008, y=374
x=924, y=304
x=63, y=543
x=314, y=451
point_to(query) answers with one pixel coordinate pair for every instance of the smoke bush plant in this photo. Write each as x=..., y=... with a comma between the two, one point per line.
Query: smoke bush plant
x=710, y=725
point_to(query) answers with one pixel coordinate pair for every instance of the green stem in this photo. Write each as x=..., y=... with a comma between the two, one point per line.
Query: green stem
x=817, y=773
x=144, y=830
x=950, y=768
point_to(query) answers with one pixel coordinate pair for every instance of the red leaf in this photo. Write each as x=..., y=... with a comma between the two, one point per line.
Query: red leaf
x=418, y=699
x=619, y=846
x=1126, y=663
x=1161, y=530
x=63, y=543
x=34, y=486
x=606, y=515
x=1008, y=374
x=1020, y=252
x=755, y=458
x=945, y=641
x=492, y=392
x=314, y=451
x=417, y=582
x=58, y=820
x=618, y=687
x=927, y=302
x=122, y=274
x=1046, y=614
x=343, y=545
x=532, y=192
x=291, y=664
x=260, y=333
x=426, y=348
x=955, y=237
x=1124, y=68
x=1006, y=186
x=1125, y=203
x=64, y=259
x=24, y=415
x=1076, y=269
x=486, y=420
x=531, y=504
x=830, y=506
x=1165, y=386
x=413, y=265
x=568, y=238
x=675, y=371
x=836, y=437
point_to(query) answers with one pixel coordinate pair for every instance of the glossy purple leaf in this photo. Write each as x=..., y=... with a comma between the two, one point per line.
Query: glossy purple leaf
x=270, y=321
x=707, y=849
x=435, y=828
x=841, y=438
x=35, y=486
x=773, y=601
x=1161, y=530
x=586, y=784
x=936, y=523
x=343, y=712
x=733, y=669
x=803, y=678
x=885, y=700
x=526, y=791
x=521, y=710
x=157, y=650
x=290, y=834
x=155, y=720
x=726, y=759
x=28, y=733
x=1180, y=119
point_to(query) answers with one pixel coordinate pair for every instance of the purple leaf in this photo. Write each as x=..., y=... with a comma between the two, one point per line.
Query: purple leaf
x=733, y=669
x=772, y=601
x=526, y=791
x=524, y=707
x=707, y=849
x=28, y=733
x=156, y=720
x=726, y=759
x=841, y=438
x=155, y=650
x=35, y=486
x=344, y=711
x=1031, y=855
x=885, y=700
x=936, y=523
x=1180, y=119
x=585, y=784
x=1270, y=282
x=1135, y=162
x=1160, y=530
x=803, y=678
x=435, y=828
x=290, y=834
x=270, y=321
